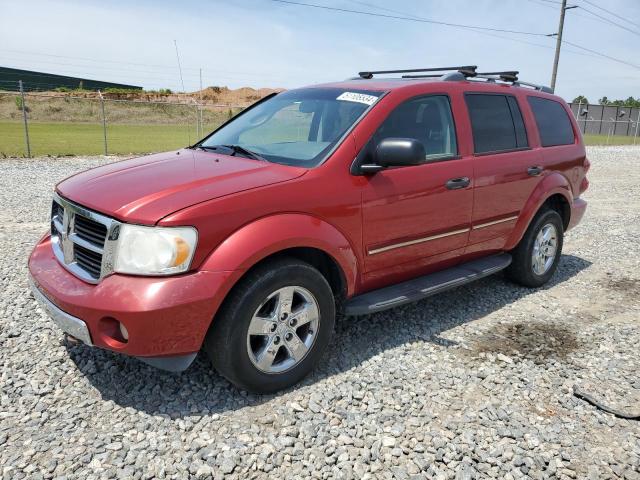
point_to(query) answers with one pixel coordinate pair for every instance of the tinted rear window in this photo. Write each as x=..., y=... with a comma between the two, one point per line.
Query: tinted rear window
x=553, y=122
x=496, y=122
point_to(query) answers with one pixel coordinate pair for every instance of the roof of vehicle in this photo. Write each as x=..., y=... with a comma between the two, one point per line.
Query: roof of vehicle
x=369, y=80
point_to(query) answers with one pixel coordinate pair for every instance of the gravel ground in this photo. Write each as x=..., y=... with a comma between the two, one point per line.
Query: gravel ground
x=473, y=383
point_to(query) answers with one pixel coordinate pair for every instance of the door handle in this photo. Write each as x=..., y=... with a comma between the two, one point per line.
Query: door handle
x=457, y=183
x=534, y=171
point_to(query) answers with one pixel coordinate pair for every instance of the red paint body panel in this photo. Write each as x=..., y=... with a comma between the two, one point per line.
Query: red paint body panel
x=409, y=203
x=240, y=251
x=245, y=210
x=143, y=190
x=164, y=316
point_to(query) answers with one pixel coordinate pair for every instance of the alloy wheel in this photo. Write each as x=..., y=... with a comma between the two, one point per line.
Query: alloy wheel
x=545, y=247
x=283, y=329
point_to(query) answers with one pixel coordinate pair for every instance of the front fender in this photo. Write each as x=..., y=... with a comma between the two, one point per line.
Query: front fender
x=552, y=184
x=266, y=236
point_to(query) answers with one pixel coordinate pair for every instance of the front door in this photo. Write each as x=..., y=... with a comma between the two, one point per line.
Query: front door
x=412, y=214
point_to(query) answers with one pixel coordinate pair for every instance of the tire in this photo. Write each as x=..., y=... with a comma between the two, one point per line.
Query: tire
x=523, y=269
x=278, y=299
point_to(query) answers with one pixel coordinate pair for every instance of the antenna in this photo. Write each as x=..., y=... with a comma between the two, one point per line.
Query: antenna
x=179, y=67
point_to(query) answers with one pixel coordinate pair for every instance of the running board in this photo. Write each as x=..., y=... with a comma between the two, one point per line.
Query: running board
x=422, y=287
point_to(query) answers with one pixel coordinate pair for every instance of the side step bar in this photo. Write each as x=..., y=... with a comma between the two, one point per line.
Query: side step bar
x=422, y=287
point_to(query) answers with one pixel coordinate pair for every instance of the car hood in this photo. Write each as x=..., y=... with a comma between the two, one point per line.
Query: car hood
x=146, y=189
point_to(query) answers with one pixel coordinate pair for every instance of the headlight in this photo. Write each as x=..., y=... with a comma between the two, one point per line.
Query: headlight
x=154, y=250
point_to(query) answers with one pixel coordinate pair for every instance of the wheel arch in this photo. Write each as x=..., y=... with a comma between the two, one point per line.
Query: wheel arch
x=300, y=236
x=554, y=192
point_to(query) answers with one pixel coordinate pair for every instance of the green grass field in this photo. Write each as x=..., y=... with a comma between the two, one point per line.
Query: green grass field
x=87, y=138
x=68, y=138
x=615, y=140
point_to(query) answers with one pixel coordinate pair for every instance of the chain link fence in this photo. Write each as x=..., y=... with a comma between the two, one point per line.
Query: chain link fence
x=607, y=120
x=36, y=123
x=58, y=124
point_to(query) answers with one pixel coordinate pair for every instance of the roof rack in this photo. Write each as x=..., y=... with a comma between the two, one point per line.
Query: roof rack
x=459, y=74
x=467, y=71
x=511, y=76
x=506, y=76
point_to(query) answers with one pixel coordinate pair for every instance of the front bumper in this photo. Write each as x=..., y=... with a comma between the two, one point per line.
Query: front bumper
x=68, y=323
x=166, y=318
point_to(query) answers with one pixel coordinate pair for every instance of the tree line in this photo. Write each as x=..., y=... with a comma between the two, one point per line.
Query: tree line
x=629, y=102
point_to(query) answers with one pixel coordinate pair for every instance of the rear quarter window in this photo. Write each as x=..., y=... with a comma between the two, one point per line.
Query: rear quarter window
x=553, y=122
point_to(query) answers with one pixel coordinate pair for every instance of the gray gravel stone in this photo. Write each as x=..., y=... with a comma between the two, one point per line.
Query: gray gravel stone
x=474, y=383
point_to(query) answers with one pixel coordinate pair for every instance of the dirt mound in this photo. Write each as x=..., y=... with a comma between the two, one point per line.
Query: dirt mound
x=239, y=96
x=220, y=96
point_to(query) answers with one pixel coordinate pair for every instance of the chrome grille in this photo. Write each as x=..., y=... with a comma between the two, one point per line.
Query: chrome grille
x=82, y=240
x=90, y=230
x=88, y=260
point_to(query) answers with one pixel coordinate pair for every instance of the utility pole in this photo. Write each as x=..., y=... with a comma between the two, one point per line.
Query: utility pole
x=558, y=36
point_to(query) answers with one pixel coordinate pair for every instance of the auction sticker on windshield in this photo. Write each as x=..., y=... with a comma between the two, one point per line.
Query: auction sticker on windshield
x=357, y=97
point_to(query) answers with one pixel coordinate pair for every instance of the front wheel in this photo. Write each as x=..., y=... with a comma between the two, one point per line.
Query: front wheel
x=274, y=326
x=536, y=257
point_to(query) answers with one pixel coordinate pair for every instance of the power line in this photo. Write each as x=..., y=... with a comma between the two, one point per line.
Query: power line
x=602, y=54
x=163, y=67
x=592, y=53
x=610, y=22
x=594, y=16
x=378, y=7
x=83, y=73
x=23, y=52
x=611, y=13
x=525, y=42
x=538, y=2
x=409, y=19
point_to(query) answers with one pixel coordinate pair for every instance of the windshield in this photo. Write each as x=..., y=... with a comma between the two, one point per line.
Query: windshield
x=298, y=127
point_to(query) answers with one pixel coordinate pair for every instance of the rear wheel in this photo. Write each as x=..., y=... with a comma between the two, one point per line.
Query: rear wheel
x=274, y=326
x=536, y=257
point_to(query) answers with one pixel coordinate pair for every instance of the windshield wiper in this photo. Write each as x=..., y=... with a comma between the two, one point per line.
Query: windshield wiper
x=235, y=149
x=247, y=152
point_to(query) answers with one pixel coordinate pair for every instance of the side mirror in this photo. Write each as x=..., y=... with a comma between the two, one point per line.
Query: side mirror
x=399, y=152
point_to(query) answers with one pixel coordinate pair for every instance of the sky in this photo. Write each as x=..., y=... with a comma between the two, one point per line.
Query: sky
x=265, y=43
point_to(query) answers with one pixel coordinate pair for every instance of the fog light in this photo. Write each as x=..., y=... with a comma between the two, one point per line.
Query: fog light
x=124, y=332
x=113, y=333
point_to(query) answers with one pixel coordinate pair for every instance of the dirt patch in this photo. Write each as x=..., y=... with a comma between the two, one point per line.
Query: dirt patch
x=627, y=286
x=535, y=341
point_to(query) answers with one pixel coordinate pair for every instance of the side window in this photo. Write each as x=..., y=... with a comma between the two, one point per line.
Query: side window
x=552, y=121
x=427, y=119
x=496, y=122
x=518, y=123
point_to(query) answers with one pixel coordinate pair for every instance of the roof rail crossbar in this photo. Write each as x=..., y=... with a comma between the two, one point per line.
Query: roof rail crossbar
x=512, y=77
x=431, y=75
x=467, y=70
x=506, y=76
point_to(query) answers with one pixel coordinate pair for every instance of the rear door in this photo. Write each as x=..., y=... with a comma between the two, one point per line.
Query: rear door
x=504, y=166
x=412, y=214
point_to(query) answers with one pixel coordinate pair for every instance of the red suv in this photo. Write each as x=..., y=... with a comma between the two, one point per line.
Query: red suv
x=350, y=197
